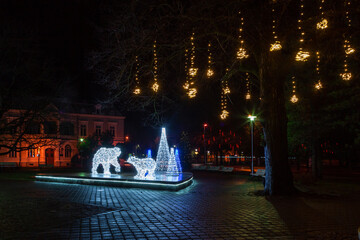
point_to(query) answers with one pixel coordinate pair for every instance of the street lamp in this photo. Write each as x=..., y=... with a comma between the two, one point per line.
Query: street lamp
x=205, y=125
x=252, y=118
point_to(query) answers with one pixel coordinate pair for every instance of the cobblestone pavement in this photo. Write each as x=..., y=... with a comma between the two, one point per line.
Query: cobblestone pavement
x=216, y=206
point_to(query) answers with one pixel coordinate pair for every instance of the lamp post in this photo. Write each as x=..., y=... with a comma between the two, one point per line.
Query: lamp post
x=205, y=125
x=252, y=118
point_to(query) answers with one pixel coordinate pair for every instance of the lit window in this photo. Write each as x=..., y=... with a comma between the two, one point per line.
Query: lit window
x=12, y=154
x=31, y=152
x=67, y=151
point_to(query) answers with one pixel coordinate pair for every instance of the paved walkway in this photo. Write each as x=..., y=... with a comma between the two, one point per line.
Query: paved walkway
x=216, y=206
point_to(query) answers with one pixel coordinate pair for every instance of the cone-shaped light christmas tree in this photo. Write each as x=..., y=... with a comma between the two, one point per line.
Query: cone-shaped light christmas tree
x=177, y=159
x=172, y=166
x=163, y=154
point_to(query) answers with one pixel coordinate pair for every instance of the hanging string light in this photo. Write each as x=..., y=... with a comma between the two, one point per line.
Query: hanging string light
x=318, y=84
x=225, y=86
x=247, y=80
x=137, y=88
x=276, y=46
x=209, y=72
x=155, y=86
x=323, y=22
x=346, y=75
x=301, y=55
x=241, y=53
x=186, y=84
x=294, y=98
x=224, y=91
x=224, y=112
x=192, y=91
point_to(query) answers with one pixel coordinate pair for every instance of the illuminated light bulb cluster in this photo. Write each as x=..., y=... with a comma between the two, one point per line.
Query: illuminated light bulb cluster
x=155, y=86
x=301, y=55
x=247, y=80
x=323, y=24
x=276, y=46
x=294, y=98
x=137, y=88
x=106, y=157
x=209, y=72
x=318, y=84
x=224, y=114
x=241, y=53
x=192, y=71
x=346, y=75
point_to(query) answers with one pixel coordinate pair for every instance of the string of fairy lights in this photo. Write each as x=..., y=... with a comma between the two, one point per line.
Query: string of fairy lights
x=210, y=71
x=346, y=75
x=276, y=45
x=137, y=86
x=191, y=71
x=247, y=81
x=323, y=24
x=225, y=90
x=241, y=53
x=155, y=86
x=192, y=91
x=318, y=84
x=294, y=98
x=301, y=55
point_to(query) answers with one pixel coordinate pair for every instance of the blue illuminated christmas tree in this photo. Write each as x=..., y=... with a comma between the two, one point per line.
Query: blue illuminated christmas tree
x=177, y=159
x=163, y=154
x=172, y=166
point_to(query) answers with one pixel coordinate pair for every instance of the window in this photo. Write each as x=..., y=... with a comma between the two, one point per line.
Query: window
x=31, y=152
x=82, y=130
x=98, y=130
x=12, y=154
x=32, y=128
x=50, y=127
x=67, y=151
x=67, y=128
x=112, y=131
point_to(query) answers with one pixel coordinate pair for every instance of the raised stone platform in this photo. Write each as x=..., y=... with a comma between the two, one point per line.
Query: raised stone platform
x=161, y=181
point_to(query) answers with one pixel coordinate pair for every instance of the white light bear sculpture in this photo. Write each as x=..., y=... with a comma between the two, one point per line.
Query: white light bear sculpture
x=105, y=157
x=145, y=167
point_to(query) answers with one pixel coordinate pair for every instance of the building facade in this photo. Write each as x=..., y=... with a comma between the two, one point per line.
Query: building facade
x=60, y=133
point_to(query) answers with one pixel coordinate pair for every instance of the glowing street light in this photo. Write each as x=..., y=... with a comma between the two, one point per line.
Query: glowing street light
x=252, y=119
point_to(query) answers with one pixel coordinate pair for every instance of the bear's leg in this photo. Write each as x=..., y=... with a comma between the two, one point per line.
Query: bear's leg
x=117, y=166
x=106, y=167
x=94, y=168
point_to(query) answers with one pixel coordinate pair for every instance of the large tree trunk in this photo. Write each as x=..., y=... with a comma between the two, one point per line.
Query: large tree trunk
x=279, y=179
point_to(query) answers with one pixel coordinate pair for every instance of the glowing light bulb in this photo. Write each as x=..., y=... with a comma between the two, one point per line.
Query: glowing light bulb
x=193, y=71
x=186, y=85
x=241, y=53
x=302, y=56
x=346, y=76
x=209, y=72
x=155, y=87
x=224, y=114
x=275, y=46
x=248, y=96
x=318, y=85
x=322, y=24
x=226, y=90
x=137, y=91
x=349, y=50
x=192, y=92
x=294, y=99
